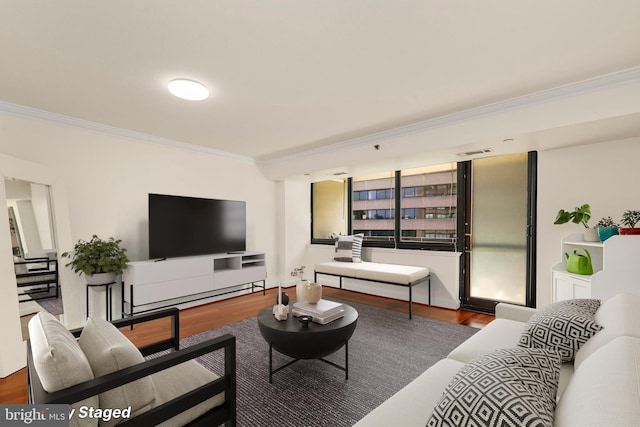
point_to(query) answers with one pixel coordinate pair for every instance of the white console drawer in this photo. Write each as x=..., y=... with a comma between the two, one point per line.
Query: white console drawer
x=143, y=272
x=161, y=291
x=226, y=278
x=150, y=285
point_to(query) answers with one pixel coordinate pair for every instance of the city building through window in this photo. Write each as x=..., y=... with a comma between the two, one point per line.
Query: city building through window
x=409, y=208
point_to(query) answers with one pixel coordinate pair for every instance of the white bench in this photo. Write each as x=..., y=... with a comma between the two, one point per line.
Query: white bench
x=391, y=274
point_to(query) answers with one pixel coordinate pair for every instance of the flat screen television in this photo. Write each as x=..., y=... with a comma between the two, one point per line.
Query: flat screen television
x=186, y=226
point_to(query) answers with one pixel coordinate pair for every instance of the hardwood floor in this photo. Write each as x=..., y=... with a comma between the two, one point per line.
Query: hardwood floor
x=198, y=319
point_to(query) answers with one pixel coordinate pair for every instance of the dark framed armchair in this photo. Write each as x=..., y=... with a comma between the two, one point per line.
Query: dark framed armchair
x=171, y=389
x=36, y=278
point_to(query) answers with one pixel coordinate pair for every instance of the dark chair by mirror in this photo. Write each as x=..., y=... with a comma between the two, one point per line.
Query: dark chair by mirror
x=37, y=278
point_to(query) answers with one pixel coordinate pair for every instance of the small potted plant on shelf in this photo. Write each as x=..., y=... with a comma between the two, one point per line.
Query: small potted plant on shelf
x=100, y=260
x=580, y=215
x=630, y=219
x=606, y=227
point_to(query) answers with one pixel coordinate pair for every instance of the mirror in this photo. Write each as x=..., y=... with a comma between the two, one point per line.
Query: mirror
x=13, y=351
x=34, y=249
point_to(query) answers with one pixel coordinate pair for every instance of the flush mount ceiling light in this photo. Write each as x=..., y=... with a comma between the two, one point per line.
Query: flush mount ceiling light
x=188, y=89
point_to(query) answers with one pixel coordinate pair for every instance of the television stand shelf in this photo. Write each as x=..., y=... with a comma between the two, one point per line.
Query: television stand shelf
x=152, y=284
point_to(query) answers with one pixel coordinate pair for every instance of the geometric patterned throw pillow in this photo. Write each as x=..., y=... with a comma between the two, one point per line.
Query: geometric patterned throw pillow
x=349, y=248
x=507, y=387
x=564, y=326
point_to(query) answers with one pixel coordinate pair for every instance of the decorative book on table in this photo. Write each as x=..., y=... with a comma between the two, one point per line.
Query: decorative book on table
x=321, y=308
x=322, y=312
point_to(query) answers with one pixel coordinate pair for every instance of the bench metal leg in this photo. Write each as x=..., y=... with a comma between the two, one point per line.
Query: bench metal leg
x=410, y=302
x=410, y=286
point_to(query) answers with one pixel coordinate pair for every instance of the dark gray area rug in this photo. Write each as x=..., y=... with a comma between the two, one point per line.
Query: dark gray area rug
x=52, y=305
x=386, y=352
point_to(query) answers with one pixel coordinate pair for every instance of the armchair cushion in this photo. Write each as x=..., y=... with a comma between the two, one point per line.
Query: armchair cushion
x=179, y=380
x=107, y=351
x=59, y=360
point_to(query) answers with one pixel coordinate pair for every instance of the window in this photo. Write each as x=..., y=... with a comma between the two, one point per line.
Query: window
x=374, y=214
x=329, y=209
x=428, y=204
x=425, y=200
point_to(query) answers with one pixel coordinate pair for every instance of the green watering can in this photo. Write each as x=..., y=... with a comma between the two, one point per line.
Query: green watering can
x=578, y=263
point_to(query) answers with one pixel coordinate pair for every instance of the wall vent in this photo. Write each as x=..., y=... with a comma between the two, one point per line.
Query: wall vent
x=473, y=153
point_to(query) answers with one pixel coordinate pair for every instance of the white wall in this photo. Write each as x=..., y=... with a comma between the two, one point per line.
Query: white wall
x=294, y=220
x=107, y=180
x=605, y=175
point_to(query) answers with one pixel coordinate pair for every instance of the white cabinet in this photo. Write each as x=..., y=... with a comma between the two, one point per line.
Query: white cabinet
x=616, y=268
x=569, y=286
x=153, y=284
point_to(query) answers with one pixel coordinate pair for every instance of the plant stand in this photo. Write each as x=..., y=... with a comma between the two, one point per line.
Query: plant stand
x=108, y=298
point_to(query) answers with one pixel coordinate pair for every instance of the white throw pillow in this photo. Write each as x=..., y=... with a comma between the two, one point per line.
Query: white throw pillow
x=59, y=360
x=349, y=248
x=108, y=350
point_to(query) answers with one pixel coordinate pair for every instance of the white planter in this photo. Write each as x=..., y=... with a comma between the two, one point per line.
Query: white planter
x=100, y=278
x=591, y=235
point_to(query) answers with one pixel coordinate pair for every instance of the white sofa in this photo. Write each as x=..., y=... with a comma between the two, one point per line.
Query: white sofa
x=601, y=387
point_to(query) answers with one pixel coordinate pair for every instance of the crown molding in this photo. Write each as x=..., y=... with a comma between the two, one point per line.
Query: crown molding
x=631, y=75
x=62, y=120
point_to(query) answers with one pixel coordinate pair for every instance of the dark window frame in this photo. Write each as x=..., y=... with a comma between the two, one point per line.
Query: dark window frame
x=398, y=243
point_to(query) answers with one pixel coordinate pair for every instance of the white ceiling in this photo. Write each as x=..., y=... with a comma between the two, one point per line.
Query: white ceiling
x=293, y=76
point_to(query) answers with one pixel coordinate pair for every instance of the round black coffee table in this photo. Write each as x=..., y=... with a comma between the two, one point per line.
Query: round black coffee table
x=314, y=341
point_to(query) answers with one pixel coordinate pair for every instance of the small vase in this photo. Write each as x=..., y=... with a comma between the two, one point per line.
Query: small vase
x=301, y=290
x=313, y=293
x=591, y=235
x=605, y=232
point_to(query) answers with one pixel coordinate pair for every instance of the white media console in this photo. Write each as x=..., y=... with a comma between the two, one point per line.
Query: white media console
x=153, y=284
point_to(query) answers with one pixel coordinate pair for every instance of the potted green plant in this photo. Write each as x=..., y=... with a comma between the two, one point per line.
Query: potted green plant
x=99, y=260
x=580, y=215
x=606, y=227
x=630, y=219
